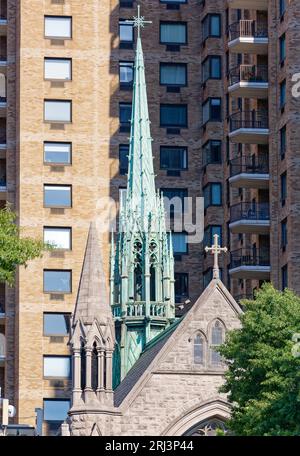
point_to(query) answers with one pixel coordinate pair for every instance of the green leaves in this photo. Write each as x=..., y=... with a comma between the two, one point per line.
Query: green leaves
x=263, y=377
x=15, y=250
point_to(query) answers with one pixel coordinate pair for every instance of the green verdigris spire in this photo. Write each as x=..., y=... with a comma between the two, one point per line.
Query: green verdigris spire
x=142, y=275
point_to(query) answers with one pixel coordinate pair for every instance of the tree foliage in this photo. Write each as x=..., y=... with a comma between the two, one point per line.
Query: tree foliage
x=263, y=377
x=15, y=250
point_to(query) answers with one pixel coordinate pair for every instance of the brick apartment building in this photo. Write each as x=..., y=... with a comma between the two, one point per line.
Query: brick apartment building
x=225, y=126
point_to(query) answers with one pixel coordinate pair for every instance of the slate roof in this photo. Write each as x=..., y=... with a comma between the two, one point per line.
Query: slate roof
x=150, y=352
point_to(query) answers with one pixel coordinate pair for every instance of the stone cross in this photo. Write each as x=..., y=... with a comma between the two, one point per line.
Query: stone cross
x=216, y=250
x=139, y=21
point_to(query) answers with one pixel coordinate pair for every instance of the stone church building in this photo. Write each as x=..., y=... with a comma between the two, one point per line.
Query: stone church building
x=137, y=369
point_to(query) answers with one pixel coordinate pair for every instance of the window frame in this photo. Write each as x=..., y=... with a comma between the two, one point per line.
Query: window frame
x=123, y=22
x=185, y=234
x=51, y=377
x=123, y=124
x=69, y=59
x=128, y=147
x=58, y=17
x=282, y=93
x=211, y=345
x=210, y=186
x=57, y=163
x=185, y=275
x=209, y=17
x=184, y=148
x=58, y=292
x=174, y=105
x=165, y=43
x=60, y=228
x=209, y=102
x=283, y=144
x=284, y=233
x=59, y=206
x=52, y=399
x=55, y=100
x=174, y=64
x=69, y=314
x=205, y=149
x=126, y=85
x=209, y=59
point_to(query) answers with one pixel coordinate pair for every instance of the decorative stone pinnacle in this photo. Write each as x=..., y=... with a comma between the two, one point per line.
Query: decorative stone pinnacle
x=216, y=250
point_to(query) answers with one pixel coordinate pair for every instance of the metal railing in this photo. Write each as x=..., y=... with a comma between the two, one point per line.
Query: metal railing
x=249, y=164
x=249, y=119
x=249, y=257
x=249, y=211
x=248, y=73
x=248, y=28
x=138, y=309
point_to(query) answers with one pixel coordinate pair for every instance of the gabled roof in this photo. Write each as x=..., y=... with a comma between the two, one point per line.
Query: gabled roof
x=154, y=351
x=92, y=299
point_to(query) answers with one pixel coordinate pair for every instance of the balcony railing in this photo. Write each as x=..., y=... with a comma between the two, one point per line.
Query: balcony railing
x=138, y=309
x=249, y=119
x=249, y=165
x=248, y=73
x=249, y=211
x=248, y=28
x=249, y=257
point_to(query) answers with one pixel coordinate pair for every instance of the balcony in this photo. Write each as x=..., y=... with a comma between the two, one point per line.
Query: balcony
x=249, y=127
x=260, y=5
x=250, y=264
x=249, y=172
x=248, y=37
x=249, y=81
x=2, y=349
x=250, y=218
x=139, y=310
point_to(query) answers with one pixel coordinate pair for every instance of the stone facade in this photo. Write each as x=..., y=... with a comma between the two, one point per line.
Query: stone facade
x=172, y=394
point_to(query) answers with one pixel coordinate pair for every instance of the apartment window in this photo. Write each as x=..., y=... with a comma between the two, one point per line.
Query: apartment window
x=284, y=277
x=181, y=286
x=57, y=196
x=173, y=33
x=58, y=69
x=212, y=152
x=173, y=158
x=126, y=70
x=125, y=116
x=209, y=233
x=58, y=111
x=126, y=3
x=283, y=188
x=57, y=366
x=123, y=158
x=211, y=26
x=282, y=93
x=211, y=68
x=282, y=7
x=57, y=281
x=173, y=74
x=57, y=153
x=212, y=195
x=59, y=27
x=179, y=243
x=174, y=200
x=56, y=410
x=59, y=238
x=282, y=47
x=284, y=235
x=56, y=324
x=282, y=142
x=211, y=110
x=126, y=33
x=173, y=116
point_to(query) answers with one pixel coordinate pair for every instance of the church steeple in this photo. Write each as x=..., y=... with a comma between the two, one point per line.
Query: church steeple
x=93, y=334
x=143, y=275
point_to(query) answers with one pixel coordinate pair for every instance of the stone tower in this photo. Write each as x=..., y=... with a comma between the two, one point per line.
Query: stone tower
x=93, y=335
x=142, y=265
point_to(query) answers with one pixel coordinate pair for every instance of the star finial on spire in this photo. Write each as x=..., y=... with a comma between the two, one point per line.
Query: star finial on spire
x=216, y=250
x=139, y=21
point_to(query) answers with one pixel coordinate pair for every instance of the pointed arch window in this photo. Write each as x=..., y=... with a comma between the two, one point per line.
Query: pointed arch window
x=94, y=367
x=217, y=339
x=199, y=349
x=83, y=366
